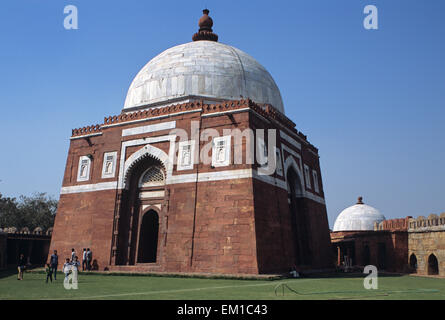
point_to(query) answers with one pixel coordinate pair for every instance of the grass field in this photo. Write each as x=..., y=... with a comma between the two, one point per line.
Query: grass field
x=96, y=286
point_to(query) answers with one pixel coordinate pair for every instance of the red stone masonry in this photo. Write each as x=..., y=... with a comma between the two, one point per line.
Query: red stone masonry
x=400, y=224
x=235, y=225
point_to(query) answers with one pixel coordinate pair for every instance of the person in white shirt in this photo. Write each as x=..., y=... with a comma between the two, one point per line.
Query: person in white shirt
x=75, y=269
x=84, y=259
x=67, y=268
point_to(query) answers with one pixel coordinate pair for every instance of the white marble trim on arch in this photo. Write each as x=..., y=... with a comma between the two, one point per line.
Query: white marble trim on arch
x=290, y=161
x=167, y=160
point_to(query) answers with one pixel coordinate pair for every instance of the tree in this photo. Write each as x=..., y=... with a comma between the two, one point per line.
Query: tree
x=35, y=211
x=8, y=212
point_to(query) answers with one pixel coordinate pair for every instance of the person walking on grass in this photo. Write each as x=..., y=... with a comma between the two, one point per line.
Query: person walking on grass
x=54, y=261
x=49, y=273
x=89, y=259
x=21, y=266
x=75, y=269
x=84, y=259
x=73, y=254
x=67, y=268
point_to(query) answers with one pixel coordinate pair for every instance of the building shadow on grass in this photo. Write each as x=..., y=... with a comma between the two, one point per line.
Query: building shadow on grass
x=8, y=272
x=12, y=270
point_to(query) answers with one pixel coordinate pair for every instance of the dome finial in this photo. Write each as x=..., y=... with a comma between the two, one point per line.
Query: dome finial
x=360, y=200
x=205, y=28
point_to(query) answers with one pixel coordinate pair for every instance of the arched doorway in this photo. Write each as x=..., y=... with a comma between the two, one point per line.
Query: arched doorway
x=413, y=263
x=141, y=213
x=299, y=228
x=433, y=265
x=148, y=237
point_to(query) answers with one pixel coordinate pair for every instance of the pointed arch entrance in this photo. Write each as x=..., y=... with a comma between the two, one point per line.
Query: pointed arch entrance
x=299, y=225
x=141, y=212
x=413, y=263
x=148, y=237
x=433, y=265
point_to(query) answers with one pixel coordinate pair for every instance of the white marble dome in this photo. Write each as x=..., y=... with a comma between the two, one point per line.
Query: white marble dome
x=359, y=217
x=202, y=69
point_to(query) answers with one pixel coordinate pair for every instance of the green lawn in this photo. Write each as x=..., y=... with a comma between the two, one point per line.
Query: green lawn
x=95, y=286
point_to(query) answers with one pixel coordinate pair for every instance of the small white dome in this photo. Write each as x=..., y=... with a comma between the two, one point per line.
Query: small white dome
x=359, y=217
x=202, y=69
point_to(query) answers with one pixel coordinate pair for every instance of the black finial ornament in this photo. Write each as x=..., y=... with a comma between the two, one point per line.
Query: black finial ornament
x=205, y=28
x=360, y=200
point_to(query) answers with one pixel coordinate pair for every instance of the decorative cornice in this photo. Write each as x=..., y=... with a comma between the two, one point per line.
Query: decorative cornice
x=152, y=113
x=265, y=110
x=87, y=131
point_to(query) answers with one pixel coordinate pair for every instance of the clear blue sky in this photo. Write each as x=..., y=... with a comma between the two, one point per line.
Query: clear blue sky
x=373, y=102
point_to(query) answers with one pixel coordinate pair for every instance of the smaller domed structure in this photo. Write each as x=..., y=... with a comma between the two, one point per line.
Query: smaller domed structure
x=359, y=217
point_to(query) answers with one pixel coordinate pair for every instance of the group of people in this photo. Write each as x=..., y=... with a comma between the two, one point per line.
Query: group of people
x=70, y=266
